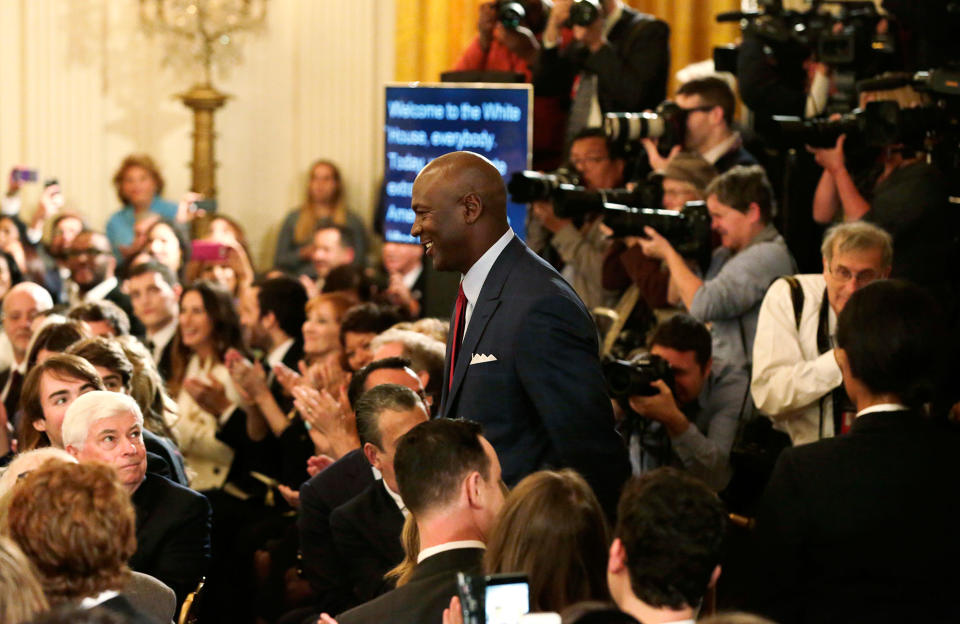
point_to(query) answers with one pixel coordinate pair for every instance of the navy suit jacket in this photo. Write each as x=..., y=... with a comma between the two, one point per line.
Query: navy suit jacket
x=543, y=401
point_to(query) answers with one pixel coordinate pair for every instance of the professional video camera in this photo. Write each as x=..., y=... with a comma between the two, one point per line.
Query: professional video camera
x=511, y=13
x=633, y=378
x=847, y=41
x=668, y=124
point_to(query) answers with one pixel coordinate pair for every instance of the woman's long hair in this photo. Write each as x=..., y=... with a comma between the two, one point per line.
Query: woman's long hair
x=225, y=329
x=551, y=528
x=307, y=221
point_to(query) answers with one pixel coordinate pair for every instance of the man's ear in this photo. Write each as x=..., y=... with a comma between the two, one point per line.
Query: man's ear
x=753, y=213
x=472, y=207
x=350, y=254
x=177, y=291
x=40, y=424
x=474, y=489
x=424, y=377
x=72, y=450
x=618, y=557
x=714, y=577
x=268, y=320
x=370, y=452
x=716, y=115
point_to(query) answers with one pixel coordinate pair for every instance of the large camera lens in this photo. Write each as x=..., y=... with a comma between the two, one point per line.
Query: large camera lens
x=584, y=12
x=626, y=127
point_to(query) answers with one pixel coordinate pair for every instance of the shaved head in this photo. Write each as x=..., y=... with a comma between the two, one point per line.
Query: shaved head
x=460, y=202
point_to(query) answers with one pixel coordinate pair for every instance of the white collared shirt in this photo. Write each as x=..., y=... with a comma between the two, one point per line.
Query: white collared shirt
x=473, y=281
x=396, y=498
x=162, y=337
x=882, y=407
x=410, y=278
x=595, y=118
x=439, y=548
x=96, y=293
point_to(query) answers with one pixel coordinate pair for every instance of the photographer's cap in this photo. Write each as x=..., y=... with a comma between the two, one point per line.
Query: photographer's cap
x=688, y=167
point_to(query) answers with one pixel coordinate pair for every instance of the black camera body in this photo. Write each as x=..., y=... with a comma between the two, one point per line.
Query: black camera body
x=667, y=124
x=530, y=186
x=511, y=13
x=634, y=378
x=584, y=12
x=688, y=231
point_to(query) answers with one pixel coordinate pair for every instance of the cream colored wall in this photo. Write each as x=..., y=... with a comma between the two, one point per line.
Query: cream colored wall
x=81, y=86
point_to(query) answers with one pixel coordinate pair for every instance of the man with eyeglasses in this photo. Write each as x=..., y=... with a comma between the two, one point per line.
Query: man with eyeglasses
x=92, y=275
x=581, y=242
x=710, y=105
x=796, y=380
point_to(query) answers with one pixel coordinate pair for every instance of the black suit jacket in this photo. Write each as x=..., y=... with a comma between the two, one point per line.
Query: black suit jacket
x=425, y=596
x=366, y=533
x=543, y=401
x=12, y=402
x=165, y=449
x=173, y=534
x=631, y=68
x=863, y=527
x=319, y=496
x=121, y=298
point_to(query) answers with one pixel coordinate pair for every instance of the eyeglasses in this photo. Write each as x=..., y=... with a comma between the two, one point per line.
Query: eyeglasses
x=844, y=274
x=576, y=162
x=699, y=109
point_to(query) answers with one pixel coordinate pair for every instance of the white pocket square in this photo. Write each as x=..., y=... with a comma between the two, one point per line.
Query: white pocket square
x=479, y=358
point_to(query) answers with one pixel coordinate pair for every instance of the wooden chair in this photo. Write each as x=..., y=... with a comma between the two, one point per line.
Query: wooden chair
x=191, y=605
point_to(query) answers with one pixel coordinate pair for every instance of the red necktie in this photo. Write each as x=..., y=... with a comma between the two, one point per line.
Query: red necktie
x=459, y=318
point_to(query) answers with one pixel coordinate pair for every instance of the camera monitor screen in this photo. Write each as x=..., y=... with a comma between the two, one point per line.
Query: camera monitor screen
x=428, y=120
x=504, y=603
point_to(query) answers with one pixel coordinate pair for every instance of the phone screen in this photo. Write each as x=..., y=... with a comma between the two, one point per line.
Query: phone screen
x=506, y=602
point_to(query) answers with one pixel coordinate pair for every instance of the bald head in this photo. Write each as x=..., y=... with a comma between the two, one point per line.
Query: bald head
x=21, y=305
x=460, y=202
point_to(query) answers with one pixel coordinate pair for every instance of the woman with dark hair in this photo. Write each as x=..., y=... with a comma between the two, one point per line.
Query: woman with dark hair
x=54, y=336
x=10, y=274
x=323, y=204
x=48, y=391
x=14, y=242
x=138, y=183
x=168, y=244
x=208, y=327
x=359, y=326
x=148, y=390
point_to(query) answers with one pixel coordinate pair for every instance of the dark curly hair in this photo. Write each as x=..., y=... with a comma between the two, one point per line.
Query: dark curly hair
x=672, y=528
x=76, y=523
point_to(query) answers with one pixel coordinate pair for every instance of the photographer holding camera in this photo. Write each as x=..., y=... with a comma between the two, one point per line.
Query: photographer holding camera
x=618, y=61
x=693, y=421
x=752, y=254
x=582, y=246
x=708, y=105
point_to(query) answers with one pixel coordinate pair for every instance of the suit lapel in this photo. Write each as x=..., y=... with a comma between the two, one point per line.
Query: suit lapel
x=487, y=303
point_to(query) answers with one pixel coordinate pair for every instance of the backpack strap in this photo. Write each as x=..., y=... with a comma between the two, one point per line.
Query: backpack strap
x=796, y=295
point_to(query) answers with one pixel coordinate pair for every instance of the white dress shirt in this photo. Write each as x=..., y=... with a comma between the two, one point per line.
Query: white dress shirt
x=396, y=499
x=882, y=407
x=790, y=375
x=96, y=293
x=473, y=281
x=439, y=548
x=161, y=338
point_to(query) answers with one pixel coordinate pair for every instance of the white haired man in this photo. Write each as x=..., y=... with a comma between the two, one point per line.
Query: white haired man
x=173, y=522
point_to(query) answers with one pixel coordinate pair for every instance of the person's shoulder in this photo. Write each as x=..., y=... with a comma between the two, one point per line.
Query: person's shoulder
x=164, y=207
x=162, y=487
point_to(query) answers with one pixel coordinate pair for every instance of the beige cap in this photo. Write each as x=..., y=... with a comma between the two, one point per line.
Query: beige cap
x=688, y=167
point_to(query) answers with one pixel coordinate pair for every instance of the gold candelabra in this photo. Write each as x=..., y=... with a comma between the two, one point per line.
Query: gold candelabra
x=202, y=34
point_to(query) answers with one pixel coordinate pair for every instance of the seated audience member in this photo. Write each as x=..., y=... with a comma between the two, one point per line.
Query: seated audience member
x=684, y=179
x=116, y=371
x=21, y=306
x=321, y=329
x=104, y=318
x=55, y=335
x=154, y=292
x=139, y=184
x=147, y=389
x=14, y=243
x=351, y=280
x=403, y=272
x=666, y=546
x=581, y=243
x=366, y=530
x=25, y=462
x=751, y=256
x=796, y=379
x=449, y=478
x=360, y=325
x=323, y=204
x=63, y=229
x=424, y=353
x=169, y=245
x=710, y=105
x=692, y=424
x=232, y=267
x=435, y=328
x=208, y=326
x=173, y=528
x=346, y=478
x=552, y=529
x=86, y=557
x=861, y=526
x=619, y=62
x=92, y=274
x=10, y=274
x=333, y=246
x=21, y=595
x=48, y=391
